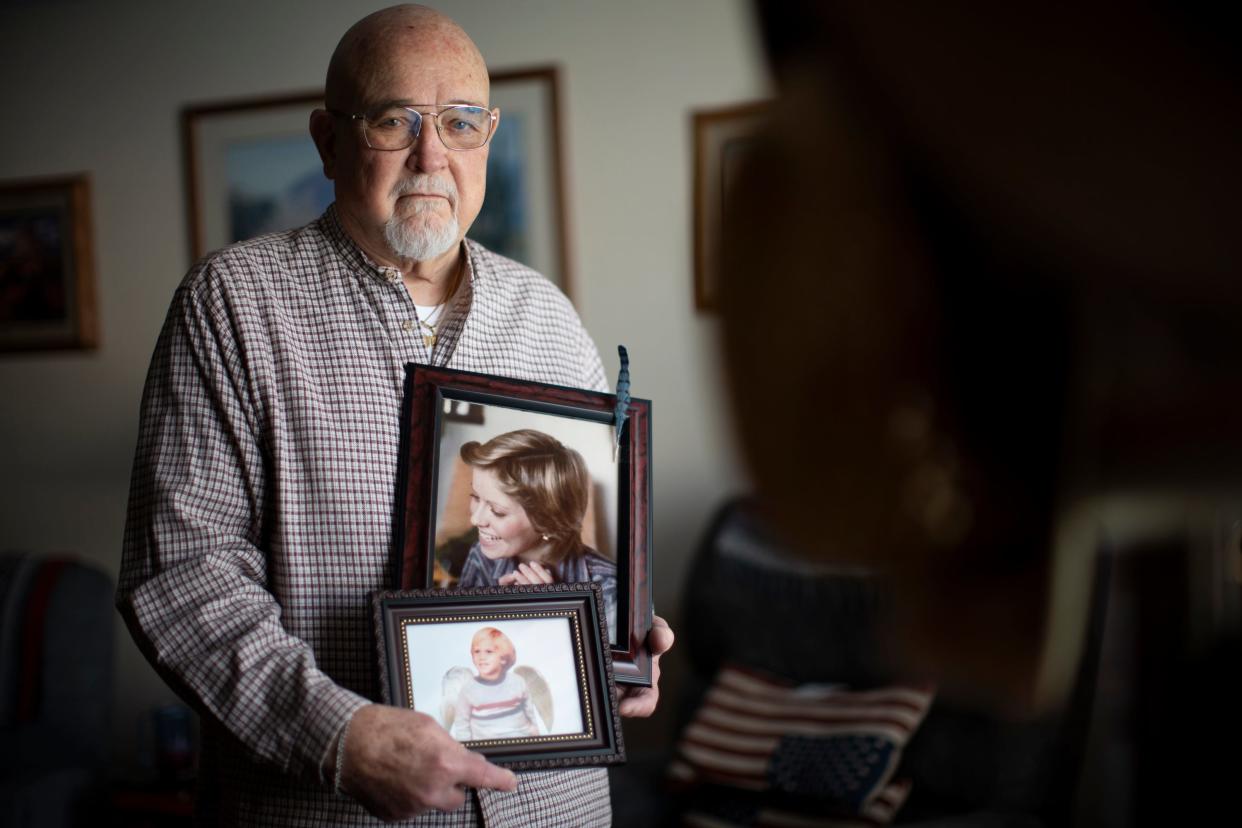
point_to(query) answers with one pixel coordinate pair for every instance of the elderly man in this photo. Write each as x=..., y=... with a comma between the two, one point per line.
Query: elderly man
x=261, y=505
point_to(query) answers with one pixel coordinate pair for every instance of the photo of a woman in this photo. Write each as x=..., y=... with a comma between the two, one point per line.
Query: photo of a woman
x=529, y=495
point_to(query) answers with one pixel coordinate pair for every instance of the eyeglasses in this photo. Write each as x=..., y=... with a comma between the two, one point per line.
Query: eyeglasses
x=394, y=127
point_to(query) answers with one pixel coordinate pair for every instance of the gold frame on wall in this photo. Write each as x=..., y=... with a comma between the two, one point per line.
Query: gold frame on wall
x=720, y=137
x=47, y=265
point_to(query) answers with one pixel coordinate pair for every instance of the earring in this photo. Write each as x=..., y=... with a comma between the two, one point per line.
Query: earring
x=545, y=536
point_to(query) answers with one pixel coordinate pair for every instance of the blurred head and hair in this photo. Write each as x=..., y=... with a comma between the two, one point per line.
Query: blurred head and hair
x=987, y=240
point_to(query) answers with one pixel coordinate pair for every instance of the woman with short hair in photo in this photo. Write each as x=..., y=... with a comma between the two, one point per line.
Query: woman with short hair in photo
x=528, y=500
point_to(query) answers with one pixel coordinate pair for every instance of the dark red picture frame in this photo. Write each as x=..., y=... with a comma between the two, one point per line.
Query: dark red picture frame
x=426, y=390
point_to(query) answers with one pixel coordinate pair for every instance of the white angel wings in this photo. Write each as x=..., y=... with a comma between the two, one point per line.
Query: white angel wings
x=450, y=689
x=540, y=694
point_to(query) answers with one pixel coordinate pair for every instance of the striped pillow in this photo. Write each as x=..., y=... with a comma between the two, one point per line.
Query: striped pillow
x=762, y=751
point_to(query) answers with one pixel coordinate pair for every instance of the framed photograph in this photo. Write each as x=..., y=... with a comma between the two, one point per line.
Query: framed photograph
x=722, y=137
x=505, y=482
x=252, y=168
x=524, y=215
x=516, y=673
x=47, y=268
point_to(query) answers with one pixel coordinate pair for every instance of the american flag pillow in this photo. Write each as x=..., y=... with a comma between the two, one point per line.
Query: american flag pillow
x=774, y=753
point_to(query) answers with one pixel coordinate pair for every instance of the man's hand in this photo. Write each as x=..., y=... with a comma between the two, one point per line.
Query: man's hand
x=641, y=701
x=528, y=573
x=399, y=763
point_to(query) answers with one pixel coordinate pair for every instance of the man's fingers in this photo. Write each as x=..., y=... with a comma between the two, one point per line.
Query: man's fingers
x=447, y=799
x=639, y=702
x=506, y=580
x=660, y=639
x=480, y=773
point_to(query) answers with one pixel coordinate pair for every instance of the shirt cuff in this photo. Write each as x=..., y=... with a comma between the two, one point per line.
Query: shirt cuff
x=328, y=711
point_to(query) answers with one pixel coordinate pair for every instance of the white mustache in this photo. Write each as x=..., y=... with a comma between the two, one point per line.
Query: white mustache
x=424, y=184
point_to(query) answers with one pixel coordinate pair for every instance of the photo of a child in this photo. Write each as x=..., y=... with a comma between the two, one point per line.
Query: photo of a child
x=496, y=678
x=498, y=700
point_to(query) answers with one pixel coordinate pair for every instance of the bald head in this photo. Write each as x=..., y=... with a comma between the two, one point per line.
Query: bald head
x=411, y=207
x=368, y=54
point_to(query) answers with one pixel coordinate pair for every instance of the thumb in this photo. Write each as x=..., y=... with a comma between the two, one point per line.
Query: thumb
x=660, y=638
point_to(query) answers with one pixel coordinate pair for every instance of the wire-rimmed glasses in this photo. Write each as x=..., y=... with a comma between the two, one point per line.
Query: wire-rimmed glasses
x=395, y=127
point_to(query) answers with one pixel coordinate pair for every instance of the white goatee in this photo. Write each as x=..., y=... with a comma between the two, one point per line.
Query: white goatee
x=420, y=237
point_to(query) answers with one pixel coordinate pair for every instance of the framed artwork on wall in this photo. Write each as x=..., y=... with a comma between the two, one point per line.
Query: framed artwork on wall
x=47, y=269
x=252, y=168
x=722, y=138
x=524, y=215
x=518, y=674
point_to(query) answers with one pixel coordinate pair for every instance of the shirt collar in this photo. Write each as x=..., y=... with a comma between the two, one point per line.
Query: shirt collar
x=347, y=247
x=357, y=258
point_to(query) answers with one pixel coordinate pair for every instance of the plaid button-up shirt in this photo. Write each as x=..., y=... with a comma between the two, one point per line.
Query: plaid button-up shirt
x=261, y=505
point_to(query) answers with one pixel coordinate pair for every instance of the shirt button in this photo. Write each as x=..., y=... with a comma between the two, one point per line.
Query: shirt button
x=407, y=325
x=394, y=277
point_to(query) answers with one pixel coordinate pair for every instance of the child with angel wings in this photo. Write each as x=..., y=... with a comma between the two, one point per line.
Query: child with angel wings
x=500, y=701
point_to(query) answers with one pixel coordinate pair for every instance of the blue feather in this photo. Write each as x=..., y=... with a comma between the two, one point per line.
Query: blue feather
x=620, y=411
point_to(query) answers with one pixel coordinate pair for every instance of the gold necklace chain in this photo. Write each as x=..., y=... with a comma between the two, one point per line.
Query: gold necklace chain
x=430, y=337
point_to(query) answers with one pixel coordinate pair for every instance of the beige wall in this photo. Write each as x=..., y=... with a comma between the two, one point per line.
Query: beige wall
x=97, y=87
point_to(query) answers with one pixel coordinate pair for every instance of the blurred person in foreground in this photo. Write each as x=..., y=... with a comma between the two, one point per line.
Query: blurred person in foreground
x=262, y=498
x=961, y=212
